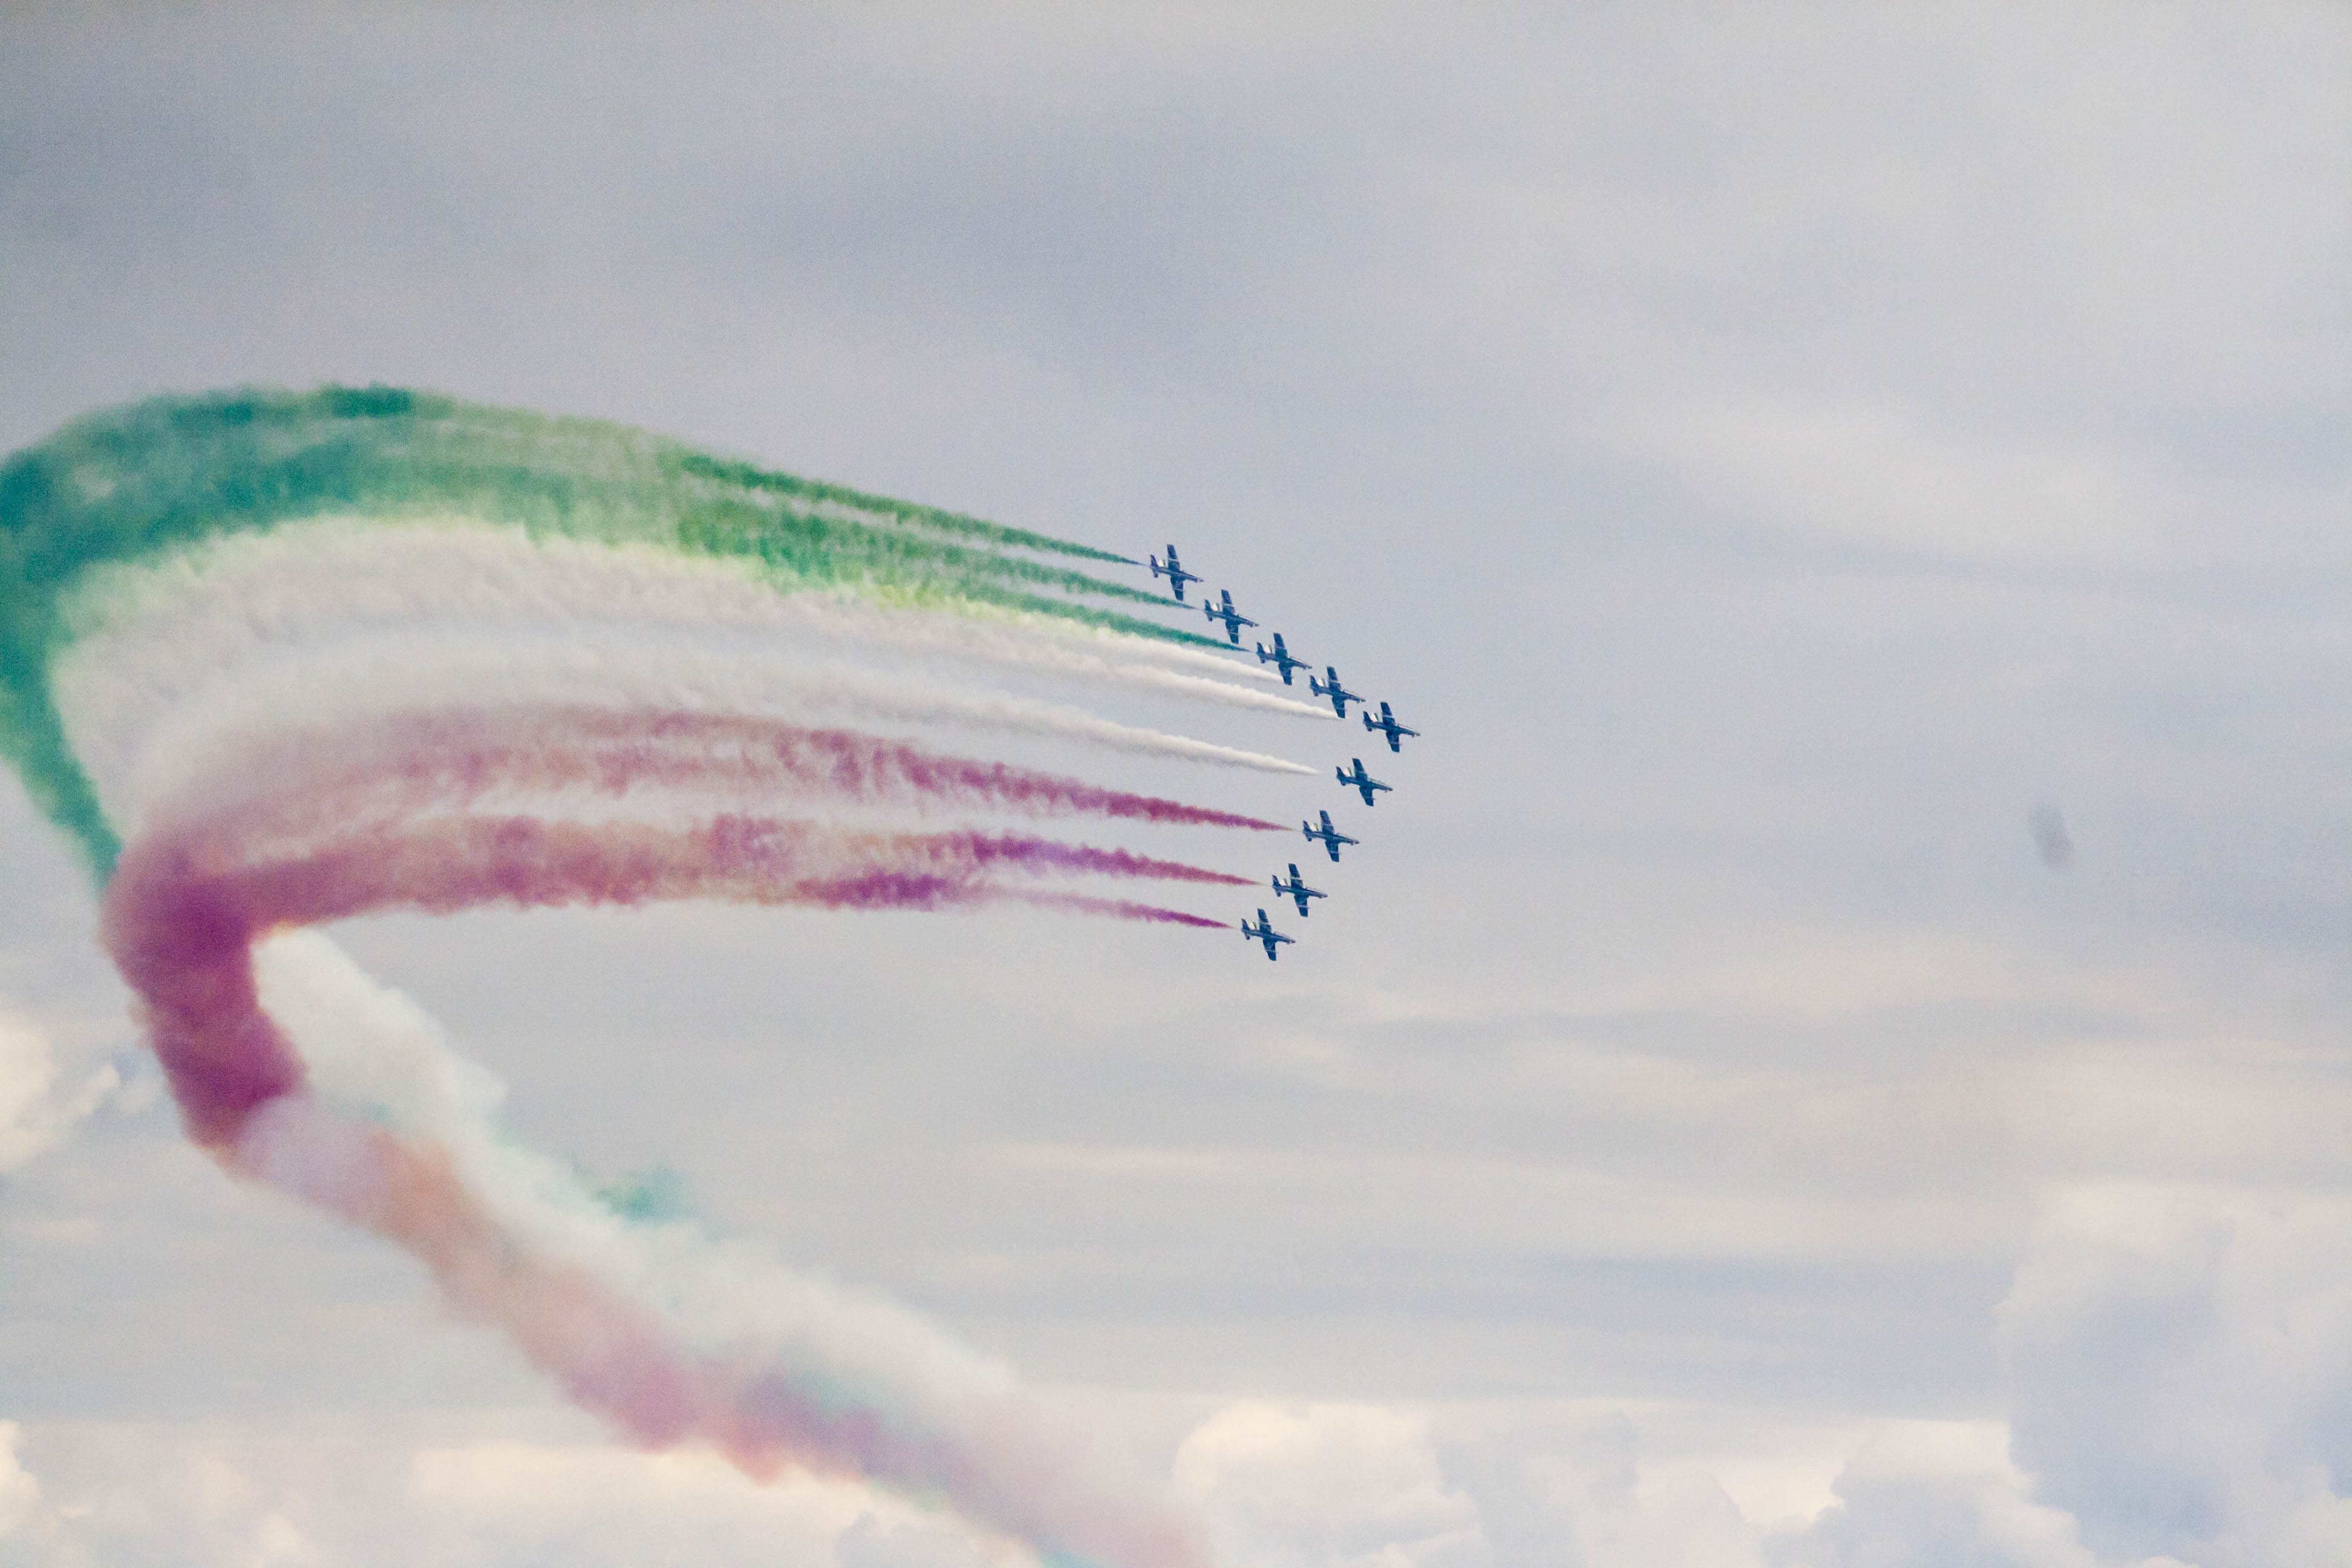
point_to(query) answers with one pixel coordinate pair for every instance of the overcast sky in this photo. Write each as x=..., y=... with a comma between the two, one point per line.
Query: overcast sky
x=1785, y=458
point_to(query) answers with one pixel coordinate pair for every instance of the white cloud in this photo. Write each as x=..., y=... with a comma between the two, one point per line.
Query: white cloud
x=2181, y=1361
x=1570, y=1487
x=1325, y=1484
x=341, y=1492
x=33, y=1116
x=1933, y=1492
x=871, y=1544
x=20, y=1494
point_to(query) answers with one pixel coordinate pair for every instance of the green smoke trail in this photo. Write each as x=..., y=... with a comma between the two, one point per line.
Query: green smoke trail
x=124, y=483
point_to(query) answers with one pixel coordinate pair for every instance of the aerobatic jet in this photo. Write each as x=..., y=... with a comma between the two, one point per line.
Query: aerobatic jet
x=1388, y=726
x=1264, y=931
x=1339, y=695
x=1328, y=836
x=1295, y=889
x=1359, y=780
x=1235, y=620
x=1175, y=573
x=1281, y=659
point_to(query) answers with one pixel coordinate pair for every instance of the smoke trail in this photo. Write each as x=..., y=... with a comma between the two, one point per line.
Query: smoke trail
x=426, y=668
x=182, y=904
x=181, y=918
x=274, y=659
x=219, y=602
x=443, y=865
x=125, y=485
x=412, y=763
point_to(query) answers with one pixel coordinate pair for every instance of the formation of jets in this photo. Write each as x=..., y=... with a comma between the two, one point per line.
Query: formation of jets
x=1328, y=685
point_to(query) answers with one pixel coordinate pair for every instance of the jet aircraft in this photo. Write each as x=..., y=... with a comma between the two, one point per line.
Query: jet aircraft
x=1281, y=659
x=1295, y=889
x=1388, y=726
x=1328, y=836
x=1339, y=695
x=1359, y=780
x=1264, y=931
x=1175, y=573
x=1235, y=620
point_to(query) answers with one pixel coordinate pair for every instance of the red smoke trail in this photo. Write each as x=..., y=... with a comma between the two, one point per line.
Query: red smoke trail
x=181, y=907
x=408, y=763
x=181, y=916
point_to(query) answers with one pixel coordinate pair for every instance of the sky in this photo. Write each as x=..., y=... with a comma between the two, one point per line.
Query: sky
x=1798, y=464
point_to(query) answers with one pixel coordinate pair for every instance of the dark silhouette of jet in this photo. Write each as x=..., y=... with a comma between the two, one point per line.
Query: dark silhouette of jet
x=1295, y=889
x=1328, y=836
x=1339, y=695
x=1175, y=573
x=1360, y=781
x=1387, y=726
x=1235, y=620
x=1264, y=931
x=1281, y=659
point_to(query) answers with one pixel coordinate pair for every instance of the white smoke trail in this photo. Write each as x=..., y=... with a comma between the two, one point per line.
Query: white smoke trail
x=374, y=1054
x=139, y=756
x=1034, y=643
x=159, y=626
x=375, y=1058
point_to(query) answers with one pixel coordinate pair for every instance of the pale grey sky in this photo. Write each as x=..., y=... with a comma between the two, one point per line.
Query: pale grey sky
x=1769, y=449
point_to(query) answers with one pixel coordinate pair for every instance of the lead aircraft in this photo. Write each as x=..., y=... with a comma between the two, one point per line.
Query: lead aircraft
x=1360, y=781
x=1235, y=620
x=1281, y=659
x=1175, y=573
x=1328, y=836
x=1264, y=931
x=1295, y=889
x=1339, y=695
x=1387, y=726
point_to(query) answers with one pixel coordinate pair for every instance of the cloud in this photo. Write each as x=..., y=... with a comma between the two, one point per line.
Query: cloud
x=337, y=1491
x=34, y=1118
x=1935, y=1492
x=1325, y=1484
x=871, y=1544
x=1570, y=1487
x=20, y=1494
x=2181, y=1361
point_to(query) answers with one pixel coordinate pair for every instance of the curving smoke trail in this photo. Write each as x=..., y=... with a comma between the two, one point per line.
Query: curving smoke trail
x=275, y=659
x=184, y=907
